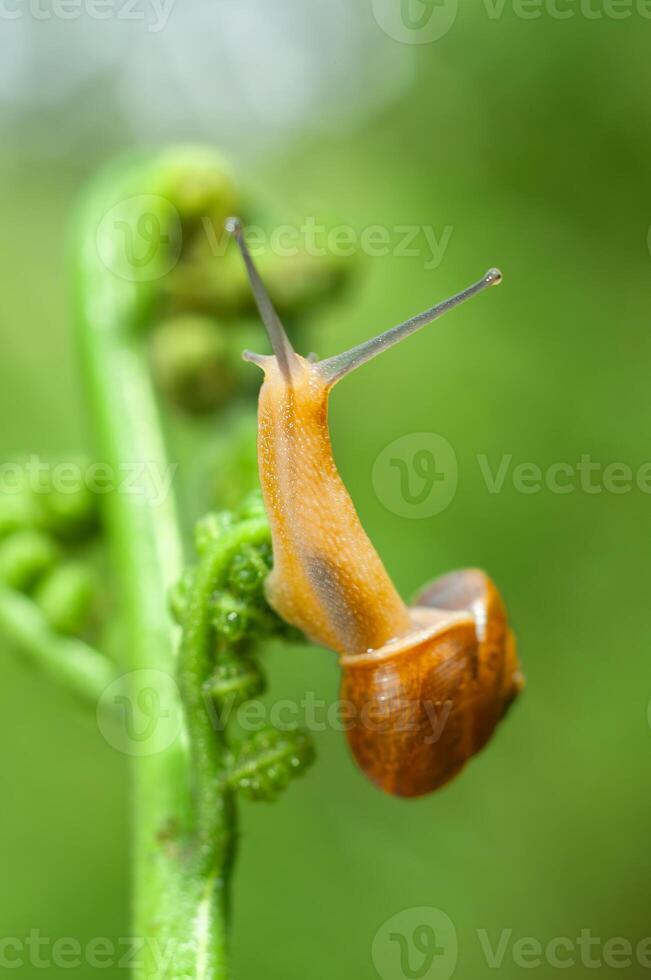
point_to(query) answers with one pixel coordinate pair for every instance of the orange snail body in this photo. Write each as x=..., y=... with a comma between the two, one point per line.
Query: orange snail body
x=424, y=686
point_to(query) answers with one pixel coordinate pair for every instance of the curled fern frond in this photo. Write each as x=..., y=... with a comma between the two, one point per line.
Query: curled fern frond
x=239, y=612
x=264, y=765
x=235, y=681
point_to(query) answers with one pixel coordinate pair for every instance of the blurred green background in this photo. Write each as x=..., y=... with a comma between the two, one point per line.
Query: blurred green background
x=530, y=138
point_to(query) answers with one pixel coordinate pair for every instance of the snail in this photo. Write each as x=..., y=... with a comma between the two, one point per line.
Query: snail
x=426, y=684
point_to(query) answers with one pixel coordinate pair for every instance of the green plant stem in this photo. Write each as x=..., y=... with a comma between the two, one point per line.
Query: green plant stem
x=67, y=660
x=179, y=899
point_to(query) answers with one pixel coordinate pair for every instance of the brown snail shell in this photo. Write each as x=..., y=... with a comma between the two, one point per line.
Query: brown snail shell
x=425, y=704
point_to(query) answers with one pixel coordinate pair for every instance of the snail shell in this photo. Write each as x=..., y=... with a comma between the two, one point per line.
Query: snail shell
x=426, y=703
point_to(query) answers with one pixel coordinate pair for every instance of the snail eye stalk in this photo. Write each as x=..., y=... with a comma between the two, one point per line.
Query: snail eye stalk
x=337, y=367
x=280, y=342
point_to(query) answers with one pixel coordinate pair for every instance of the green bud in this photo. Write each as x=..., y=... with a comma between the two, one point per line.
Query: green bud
x=24, y=557
x=302, y=282
x=233, y=619
x=198, y=183
x=192, y=363
x=65, y=597
x=69, y=514
x=265, y=764
x=236, y=680
x=210, y=284
x=248, y=571
x=236, y=619
x=17, y=511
